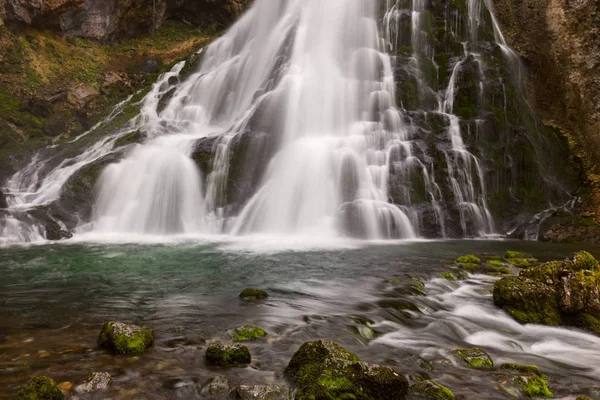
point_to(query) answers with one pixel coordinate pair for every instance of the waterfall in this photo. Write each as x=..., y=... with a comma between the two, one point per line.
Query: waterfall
x=343, y=118
x=319, y=70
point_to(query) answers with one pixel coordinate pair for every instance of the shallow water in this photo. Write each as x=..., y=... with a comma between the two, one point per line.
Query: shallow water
x=53, y=299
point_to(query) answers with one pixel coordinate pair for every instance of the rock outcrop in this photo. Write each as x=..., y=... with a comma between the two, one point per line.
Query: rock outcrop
x=110, y=20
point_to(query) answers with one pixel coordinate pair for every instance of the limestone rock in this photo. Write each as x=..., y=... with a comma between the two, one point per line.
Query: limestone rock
x=95, y=382
x=264, y=392
x=227, y=354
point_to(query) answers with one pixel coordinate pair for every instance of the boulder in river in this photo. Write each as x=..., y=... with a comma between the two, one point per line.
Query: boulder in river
x=253, y=294
x=40, y=388
x=262, y=392
x=555, y=293
x=96, y=381
x=121, y=338
x=247, y=333
x=325, y=370
x=431, y=390
x=220, y=353
x=474, y=357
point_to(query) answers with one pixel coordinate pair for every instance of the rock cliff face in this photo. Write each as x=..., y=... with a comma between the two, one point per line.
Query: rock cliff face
x=560, y=43
x=110, y=20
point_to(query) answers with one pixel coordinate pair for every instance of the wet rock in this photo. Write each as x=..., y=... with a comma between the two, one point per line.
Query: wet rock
x=583, y=398
x=248, y=332
x=3, y=202
x=431, y=390
x=218, y=387
x=264, y=392
x=474, y=357
x=520, y=259
x=449, y=276
x=164, y=100
x=96, y=381
x=468, y=258
x=253, y=294
x=325, y=370
x=55, y=232
x=227, y=354
x=533, y=386
x=40, y=388
x=121, y=338
x=555, y=293
x=526, y=369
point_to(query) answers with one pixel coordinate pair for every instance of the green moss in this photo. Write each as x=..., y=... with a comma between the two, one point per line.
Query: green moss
x=517, y=254
x=253, y=294
x=534, y=386
x=525, y=369
x=474, y=357
x=222, y=354
x=589, y=323
x=468, y=259
x=494, y=264
x=426, y=365
x=40, y=388
x=248, y=332
x=471, y=267
x=582, y=260
x=417, y=287
x=520, y=262
x=431, y=390
x=125, y=339
x=448, y=276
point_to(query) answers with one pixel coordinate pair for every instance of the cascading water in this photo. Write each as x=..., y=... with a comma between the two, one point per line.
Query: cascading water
x=329, y=94
x=306, y=118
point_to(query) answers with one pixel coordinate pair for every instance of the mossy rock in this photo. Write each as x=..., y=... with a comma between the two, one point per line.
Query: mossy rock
x=262, y=392
x=522, y=262
x=431, y=390
x=583, y=398
x=474, y=357
x=471, y=267
x=125, y=339
x=227, y=354
x=449, y=276
x=324, y=370
x=534, y=386
x=468, y=259
x=249, y=294
x=40, y=388
x=247, y=333
x=524, y=369
x=554, y=293
x=517, y=254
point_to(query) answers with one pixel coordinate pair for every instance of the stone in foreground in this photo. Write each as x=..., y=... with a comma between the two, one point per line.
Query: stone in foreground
x=249, y=294
x=474, y=357
x=555, y=293
x=125, y=339
x=431, y=390
x=96, y=381
x=227, y=354
x=264, y=392
x=534, y=386
x=324, y=370
x=40, y=388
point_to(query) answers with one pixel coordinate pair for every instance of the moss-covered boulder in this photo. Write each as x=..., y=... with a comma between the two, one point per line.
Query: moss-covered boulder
x=533, y=386
x=250, y=294
x=224, y=354
x=248, y=332
x=40, y=388
x=520, y=259
x=474, y=357
x=468, y=259
x=431, y=390
x=449, y=276
x=125, y=339
x=324, y=370
x=555, y=293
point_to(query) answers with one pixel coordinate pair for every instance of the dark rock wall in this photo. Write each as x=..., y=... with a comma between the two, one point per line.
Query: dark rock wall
x=113, y=20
